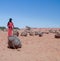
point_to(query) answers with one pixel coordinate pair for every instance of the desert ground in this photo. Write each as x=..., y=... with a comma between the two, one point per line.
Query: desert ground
x=34, y=48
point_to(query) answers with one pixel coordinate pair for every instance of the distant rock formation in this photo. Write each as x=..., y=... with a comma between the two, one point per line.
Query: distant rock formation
x=28, y=28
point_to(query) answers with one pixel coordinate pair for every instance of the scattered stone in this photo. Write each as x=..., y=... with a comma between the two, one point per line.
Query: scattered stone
x=57, y=35
x=14, y=42
x=24, y=34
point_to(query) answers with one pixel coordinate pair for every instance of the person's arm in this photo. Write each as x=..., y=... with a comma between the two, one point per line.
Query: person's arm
x=13, y=25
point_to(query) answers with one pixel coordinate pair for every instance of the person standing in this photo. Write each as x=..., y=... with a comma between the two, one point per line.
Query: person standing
x=10, y=26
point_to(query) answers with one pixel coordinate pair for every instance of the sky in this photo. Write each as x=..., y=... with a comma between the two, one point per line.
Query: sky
x=33, y=13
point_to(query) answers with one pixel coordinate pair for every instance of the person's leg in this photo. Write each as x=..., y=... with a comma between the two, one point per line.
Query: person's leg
x=10, y=32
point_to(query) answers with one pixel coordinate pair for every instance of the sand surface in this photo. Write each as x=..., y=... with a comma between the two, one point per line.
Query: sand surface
x=34, y=48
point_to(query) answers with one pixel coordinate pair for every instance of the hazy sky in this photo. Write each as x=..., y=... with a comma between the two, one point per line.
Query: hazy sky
x=33, y=13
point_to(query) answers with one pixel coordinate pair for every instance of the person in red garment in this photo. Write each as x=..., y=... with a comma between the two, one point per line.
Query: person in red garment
x=10, y=26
